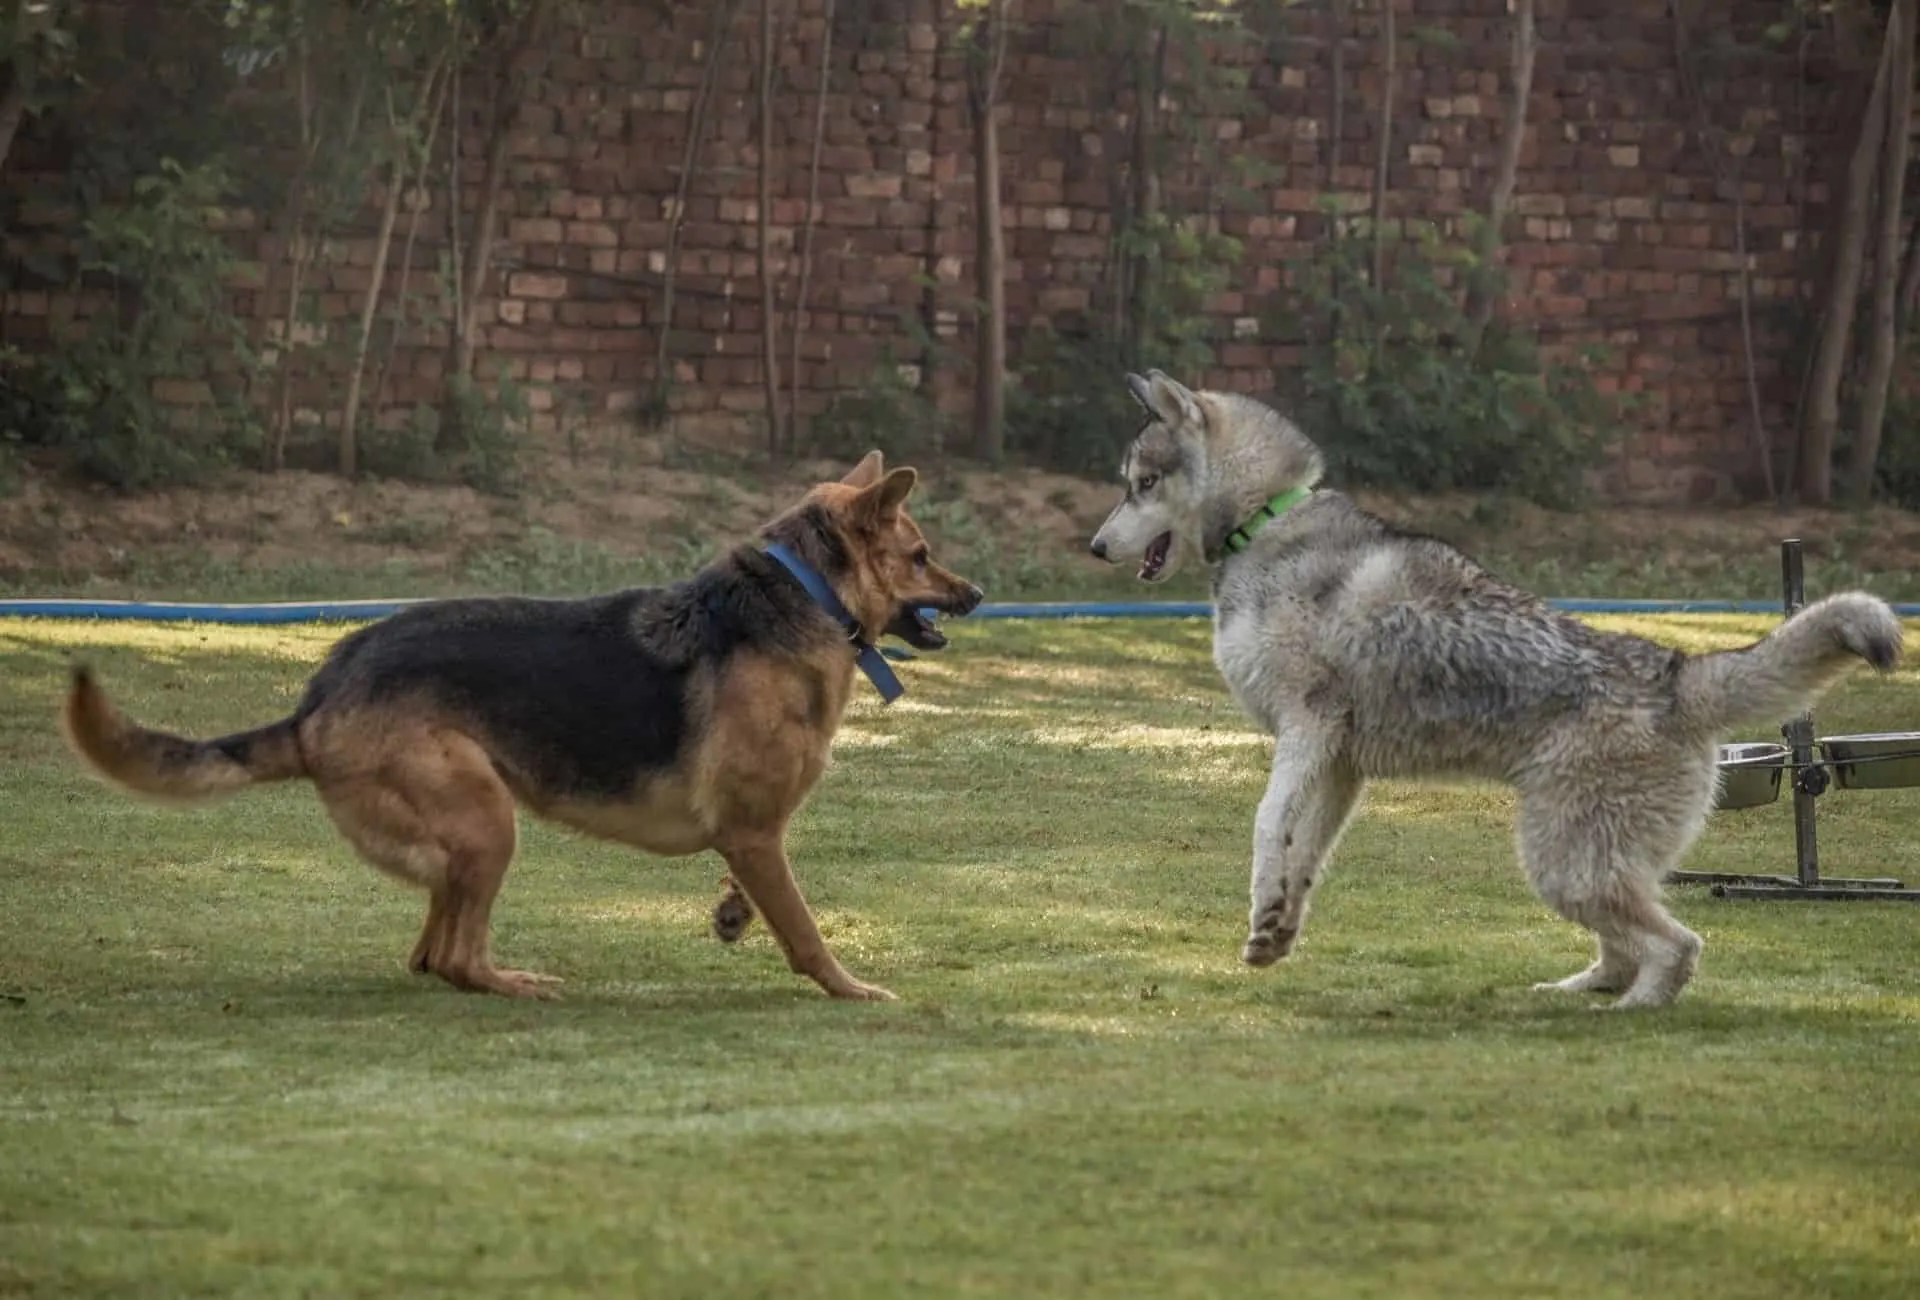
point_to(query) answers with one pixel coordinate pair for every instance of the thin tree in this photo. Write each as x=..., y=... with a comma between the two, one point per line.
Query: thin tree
x=1506, y=176
x=1389, y=91
x=416, y=198
x=36, y=51
x=401, y=139
x=1729, y=185
x=986, y=57
x=1820, y=418
x=720, y=24
x=797, y=329
x=1883, y=342
x=516, y=41
x=1149, y=63
x=769, y=358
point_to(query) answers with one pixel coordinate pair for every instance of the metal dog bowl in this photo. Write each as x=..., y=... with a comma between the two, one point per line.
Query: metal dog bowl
x=1882, y=760
x=1750, y=775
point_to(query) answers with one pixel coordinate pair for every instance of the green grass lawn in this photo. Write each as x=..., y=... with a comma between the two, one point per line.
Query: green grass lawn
x=215, y=1076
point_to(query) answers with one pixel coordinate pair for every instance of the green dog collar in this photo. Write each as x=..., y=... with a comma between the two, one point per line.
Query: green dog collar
x=1238, y=540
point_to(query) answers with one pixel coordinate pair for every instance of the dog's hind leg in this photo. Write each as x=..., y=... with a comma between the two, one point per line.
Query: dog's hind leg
x=760, y=869
x=1598, y=863
x=431, y=810
x=1311, y=793
x=1612, y=972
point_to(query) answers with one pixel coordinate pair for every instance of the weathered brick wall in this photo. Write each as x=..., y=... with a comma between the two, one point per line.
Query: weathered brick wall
x=1621, y=233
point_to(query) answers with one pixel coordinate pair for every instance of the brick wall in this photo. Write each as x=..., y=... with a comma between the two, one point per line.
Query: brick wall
x=1620, y=232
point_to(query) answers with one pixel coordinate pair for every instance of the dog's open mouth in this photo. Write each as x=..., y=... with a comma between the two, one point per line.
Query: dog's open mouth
x=915, y=626
x=1156, y=557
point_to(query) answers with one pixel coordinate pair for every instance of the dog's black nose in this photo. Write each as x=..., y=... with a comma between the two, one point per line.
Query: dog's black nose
x=1099, y=549
x=971, y=600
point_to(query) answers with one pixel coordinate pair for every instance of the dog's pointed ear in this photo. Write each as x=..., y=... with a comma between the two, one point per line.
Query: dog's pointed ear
x=1142, y=393
x=867, y=472
x=882, y=500
x=1167, y=398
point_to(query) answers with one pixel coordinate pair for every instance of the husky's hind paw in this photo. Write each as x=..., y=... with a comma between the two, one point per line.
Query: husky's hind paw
x=1265, y=949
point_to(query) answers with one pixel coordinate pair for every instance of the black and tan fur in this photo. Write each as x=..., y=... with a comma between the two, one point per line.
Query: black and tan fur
x=674, y=719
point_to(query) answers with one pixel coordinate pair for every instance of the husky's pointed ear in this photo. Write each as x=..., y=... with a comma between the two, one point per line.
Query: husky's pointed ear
x=867, y=472
x=882, y=500
x=1142, y=393
x=1171, y=400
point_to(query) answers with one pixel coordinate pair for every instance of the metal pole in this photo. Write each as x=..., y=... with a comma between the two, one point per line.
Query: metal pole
x=1799, y=732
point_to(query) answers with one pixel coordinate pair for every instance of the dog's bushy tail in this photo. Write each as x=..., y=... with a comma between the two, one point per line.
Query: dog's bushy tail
x=1780, y=677
x=173, y=768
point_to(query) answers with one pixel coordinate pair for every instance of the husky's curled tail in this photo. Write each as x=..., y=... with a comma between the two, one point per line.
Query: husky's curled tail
x=1780, y=676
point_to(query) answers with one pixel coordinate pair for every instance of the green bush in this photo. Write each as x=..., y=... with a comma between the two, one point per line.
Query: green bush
x=888, y=412
x=1067, y=408
x=1393, y=396
x=164, y=272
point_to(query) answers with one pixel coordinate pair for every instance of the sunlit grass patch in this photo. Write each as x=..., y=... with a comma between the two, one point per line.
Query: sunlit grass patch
x=215, y=1077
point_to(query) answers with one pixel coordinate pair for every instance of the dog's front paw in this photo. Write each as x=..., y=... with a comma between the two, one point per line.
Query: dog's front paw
x=854, y=990
x=1265, y=949
x=732, y=915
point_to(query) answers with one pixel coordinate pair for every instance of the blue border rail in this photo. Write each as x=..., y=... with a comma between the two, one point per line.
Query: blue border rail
x=330, y=611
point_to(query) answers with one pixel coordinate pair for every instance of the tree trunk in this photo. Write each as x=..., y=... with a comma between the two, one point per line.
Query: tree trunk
x=1341, y=19
x=1820, y=421
x=1909, y=301
x=1713, y=146
x=1150, y=60
x=990, y=288
x=769, y=358
x=721, y=26
x=505, y=107
x=797, y=329
x=30, y=22
x=13, y=109
x=1882, y=345
x=415, y=190
x=400, y=140
x=1389, y=89
x=293, y=222
x=1513, y=134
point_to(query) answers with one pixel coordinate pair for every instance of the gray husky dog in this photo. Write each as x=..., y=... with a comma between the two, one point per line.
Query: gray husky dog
x=1369, y=651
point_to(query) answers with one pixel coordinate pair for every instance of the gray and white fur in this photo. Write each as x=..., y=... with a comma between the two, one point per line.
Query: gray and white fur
x=1368, y=651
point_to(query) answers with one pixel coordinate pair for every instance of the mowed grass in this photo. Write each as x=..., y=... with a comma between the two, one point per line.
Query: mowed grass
x=215, y=1076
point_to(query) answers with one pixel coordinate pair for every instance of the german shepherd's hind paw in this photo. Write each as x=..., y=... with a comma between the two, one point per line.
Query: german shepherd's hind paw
x=732, y=914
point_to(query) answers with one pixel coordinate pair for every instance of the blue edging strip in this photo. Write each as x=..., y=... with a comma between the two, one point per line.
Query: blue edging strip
x=360, y=610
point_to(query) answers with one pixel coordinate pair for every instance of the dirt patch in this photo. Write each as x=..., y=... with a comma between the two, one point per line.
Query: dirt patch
x=634, y=496
x=631, y=498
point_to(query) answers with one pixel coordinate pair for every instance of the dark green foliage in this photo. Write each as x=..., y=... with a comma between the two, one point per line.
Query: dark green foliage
x=1391, y=394
x=117, y=388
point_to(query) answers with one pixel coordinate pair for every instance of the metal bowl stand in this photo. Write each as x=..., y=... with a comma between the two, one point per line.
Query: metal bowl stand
x=1809, y=779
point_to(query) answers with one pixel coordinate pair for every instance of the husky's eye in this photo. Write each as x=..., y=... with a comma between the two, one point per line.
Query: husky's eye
x=1146, y=482
x=920, y=557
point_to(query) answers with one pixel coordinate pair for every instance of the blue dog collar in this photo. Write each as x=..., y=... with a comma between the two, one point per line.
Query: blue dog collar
x=869, y=658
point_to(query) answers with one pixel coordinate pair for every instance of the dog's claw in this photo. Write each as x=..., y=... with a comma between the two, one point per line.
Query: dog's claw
x=1262, y=950
x=856, y=991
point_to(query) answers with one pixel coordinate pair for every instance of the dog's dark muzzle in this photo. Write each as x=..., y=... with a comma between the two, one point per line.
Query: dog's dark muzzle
x=913, y=623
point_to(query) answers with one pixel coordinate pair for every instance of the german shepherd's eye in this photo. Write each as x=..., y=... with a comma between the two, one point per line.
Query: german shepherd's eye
x=1146, y=482
x=920, y=556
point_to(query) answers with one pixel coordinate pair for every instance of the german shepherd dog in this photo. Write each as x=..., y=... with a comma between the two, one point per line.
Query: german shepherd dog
x=1368, y=651
x=674, y=719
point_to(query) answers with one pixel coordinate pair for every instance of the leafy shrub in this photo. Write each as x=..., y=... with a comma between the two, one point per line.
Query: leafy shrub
x=889, y=412
x=167, y=320
x=1392, y=394
x=1068, y=408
